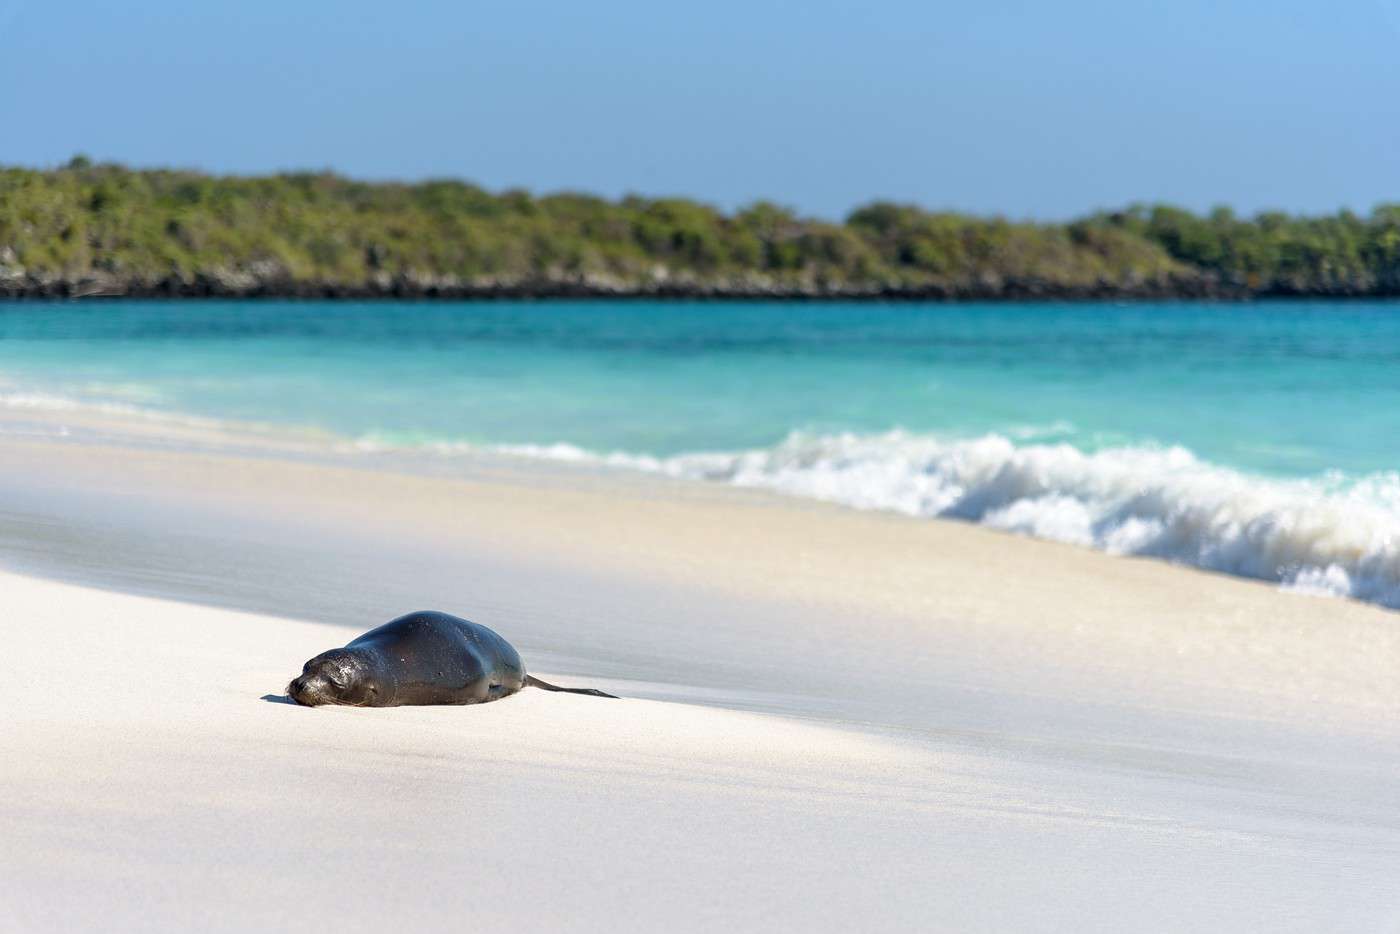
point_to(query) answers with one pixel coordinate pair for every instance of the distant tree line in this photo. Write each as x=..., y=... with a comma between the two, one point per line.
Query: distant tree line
x=89, y=229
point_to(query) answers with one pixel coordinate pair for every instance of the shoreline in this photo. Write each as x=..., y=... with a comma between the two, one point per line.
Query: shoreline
x=447, y=288
x=1331, y=572
x=723, y=541
x=833, y=718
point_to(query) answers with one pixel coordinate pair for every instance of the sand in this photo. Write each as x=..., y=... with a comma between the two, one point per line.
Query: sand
x=829, y=719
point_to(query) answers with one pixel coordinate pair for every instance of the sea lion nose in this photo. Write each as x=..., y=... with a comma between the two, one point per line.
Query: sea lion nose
x=304, y=690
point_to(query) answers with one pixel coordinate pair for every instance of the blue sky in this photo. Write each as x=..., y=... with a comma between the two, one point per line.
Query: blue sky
x=1042, y=110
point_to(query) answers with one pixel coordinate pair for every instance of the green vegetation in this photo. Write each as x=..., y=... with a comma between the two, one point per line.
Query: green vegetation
x=104, y=229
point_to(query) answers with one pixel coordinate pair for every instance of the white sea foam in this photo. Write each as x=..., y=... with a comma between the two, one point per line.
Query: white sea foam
x=244, y=431
x=48, y=402
x=1331, y=535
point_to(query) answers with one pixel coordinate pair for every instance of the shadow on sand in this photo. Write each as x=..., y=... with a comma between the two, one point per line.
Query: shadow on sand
x=278, y=699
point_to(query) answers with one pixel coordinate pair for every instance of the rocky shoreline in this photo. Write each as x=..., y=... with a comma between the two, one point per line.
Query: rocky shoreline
x=246, y=284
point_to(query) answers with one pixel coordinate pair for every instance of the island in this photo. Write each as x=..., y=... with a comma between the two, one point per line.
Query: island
x=87, y=229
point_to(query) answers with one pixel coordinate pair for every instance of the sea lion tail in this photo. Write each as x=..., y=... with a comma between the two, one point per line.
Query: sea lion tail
x=532, y=681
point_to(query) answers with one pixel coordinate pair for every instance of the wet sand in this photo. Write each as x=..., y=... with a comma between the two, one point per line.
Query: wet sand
x=830, y=718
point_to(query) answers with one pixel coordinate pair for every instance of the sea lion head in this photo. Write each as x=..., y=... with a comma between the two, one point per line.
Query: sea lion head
x=340, y=676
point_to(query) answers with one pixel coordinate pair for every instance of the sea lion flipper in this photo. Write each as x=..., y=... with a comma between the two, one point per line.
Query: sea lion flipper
x=532, y=681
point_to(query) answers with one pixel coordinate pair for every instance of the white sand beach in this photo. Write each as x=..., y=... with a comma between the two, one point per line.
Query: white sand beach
x=830, y=719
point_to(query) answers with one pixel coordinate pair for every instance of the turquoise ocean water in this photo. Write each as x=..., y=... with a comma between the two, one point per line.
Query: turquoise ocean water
x=1258, y=439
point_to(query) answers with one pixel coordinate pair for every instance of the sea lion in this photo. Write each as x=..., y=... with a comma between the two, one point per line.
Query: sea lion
x=422, y=658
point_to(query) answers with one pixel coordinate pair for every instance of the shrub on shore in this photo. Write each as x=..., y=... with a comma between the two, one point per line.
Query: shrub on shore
x=100, y=228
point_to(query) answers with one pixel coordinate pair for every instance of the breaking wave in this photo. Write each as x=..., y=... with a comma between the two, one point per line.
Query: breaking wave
x=1332, y=535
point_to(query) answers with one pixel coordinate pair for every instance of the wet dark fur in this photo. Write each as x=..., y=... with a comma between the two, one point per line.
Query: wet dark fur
x=422, y=658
